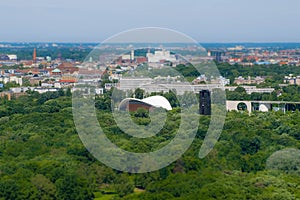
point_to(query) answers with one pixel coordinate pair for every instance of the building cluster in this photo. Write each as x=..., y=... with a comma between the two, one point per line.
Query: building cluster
x=250, y=80
x=202, y=79
x=43, y=74
x=256, y=56
x=8, y=59
x=63, y=75
x=160, y=56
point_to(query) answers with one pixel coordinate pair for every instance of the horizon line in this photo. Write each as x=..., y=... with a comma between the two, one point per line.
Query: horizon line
x=94, y=42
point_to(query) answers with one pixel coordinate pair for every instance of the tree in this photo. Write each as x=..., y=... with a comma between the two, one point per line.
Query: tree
x=123, y=186
x=240, y=89
x=139, y=93
x=287, y=160
x=171, y=97
x=61, y=92
x=142, y=113
x=70, y=186
x=46, y=189
x=68, y=92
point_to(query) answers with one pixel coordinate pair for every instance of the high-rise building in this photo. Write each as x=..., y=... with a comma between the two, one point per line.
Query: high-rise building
x=217, y=54
x=132, y=55
x=205, y=102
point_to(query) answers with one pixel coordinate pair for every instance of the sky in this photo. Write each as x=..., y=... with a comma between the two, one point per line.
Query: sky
x=96, y=20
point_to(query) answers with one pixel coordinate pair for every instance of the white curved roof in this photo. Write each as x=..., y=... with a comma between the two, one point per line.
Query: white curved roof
x=155, y=101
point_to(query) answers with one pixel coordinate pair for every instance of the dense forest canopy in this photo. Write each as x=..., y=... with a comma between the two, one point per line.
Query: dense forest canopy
x=42, y=157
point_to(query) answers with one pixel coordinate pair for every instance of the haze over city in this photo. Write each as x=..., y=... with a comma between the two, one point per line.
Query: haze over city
x=94, y=21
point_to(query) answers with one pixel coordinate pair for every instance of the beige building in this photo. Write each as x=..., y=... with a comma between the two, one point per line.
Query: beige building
x=292, y=80
x=242, y=81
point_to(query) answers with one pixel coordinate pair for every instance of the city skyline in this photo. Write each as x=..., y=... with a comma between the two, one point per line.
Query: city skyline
x=94, y=21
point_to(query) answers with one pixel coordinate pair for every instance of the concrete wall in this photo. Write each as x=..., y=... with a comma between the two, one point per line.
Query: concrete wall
x=233, y=105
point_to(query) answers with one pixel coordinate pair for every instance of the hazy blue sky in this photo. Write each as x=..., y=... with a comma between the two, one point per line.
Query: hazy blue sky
x=95, y=20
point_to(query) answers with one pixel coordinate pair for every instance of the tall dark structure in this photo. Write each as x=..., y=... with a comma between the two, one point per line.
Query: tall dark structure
x=217, y=54
x=205, y=102
x=34, y=56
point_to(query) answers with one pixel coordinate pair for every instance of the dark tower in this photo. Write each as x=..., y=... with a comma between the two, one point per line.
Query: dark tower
x=205, y=102
x=218, y=56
